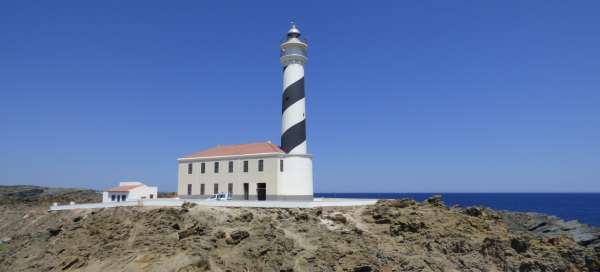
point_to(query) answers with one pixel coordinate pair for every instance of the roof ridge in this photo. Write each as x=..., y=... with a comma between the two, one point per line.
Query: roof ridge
x=237, y=149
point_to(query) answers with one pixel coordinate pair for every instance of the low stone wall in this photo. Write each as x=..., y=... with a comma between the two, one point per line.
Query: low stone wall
x=317, y=202
x=140, y=203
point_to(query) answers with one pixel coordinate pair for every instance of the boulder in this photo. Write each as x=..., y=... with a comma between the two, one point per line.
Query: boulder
x=338, y=218
x=474, y=211
x=302, y=217
x=363, y=268
x=399, y=227
x=237, y=236
x=435, y=200
x=519, y=245
x=528, y=266
x=493, y=247
x=220, y=234
x=188, y=205
x=246, y=217
x=402, y=203
x=54, y=231
x=192, y=231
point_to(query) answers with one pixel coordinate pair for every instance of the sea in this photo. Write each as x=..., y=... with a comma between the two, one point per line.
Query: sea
x=583, y=207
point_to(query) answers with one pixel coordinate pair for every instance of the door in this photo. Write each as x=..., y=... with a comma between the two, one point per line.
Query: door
x=246, y=191
x=261, y=191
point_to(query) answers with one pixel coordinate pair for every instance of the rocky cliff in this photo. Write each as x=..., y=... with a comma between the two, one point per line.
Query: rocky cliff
x=393, y=235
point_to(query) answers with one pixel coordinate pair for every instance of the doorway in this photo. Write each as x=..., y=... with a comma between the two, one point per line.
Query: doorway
x=246, y=191
x=261, y=191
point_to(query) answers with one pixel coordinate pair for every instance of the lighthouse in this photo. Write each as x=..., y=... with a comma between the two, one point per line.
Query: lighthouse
x=261, y=171
x=298, y=182
x=293, y=120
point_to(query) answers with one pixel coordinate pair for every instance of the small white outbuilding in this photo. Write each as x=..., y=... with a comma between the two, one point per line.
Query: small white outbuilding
x=129, y=191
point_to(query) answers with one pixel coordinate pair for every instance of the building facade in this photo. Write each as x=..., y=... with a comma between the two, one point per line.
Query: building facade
x=261, y=171
x=257, y=171
x=129, y=191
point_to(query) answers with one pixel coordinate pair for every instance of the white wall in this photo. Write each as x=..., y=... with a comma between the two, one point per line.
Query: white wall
x=118, y=196
x=238, y=177
x=296, y=178
x=143, y=192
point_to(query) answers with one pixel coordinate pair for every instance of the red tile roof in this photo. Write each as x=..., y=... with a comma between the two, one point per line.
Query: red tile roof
x=124, y=188
x=240, y=149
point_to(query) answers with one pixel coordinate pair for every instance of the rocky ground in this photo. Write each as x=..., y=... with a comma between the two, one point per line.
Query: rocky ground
x=393, y=235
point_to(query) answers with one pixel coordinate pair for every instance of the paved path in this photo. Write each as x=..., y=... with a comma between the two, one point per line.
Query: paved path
x=173, y=202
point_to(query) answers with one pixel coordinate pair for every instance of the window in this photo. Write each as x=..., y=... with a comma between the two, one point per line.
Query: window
x=216, y=167
x=246, y=191
x=231, y=167
x=112, y=197
x=260, y=165
x=202, y=189
x=123, y=197
x=189, y=168
x=230, y=188
x=280, y=165
x=189, y=189
x=202, y=168
x=245, y=166
x=216, y=188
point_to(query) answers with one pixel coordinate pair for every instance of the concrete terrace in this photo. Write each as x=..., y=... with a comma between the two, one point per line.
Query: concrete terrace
x=173, y=202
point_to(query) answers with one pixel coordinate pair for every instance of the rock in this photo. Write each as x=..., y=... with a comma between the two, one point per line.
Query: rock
x=383, y=221
x=492, y=247
x=402, y=203
x=551, y=226
x=188, y=205
x=302, y=217
x=200, y=265
x=519, y=245
x=338, y=218
x=460, y=246
x=381, y=217
x=237, y=236
x=474, y=211
x=77, y=219
x=592, y=263
x=530, y=266
x=435, y=200
x=246, y=217
x=220, y=234
x=401, y=226
x=192, y=231
x=54, y=231
x=363, y=268
x=318, y=211
x=419, y=237
x=70, y=263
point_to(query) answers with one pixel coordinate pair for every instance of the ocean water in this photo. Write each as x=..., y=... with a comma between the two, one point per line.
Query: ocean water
x=583, y=207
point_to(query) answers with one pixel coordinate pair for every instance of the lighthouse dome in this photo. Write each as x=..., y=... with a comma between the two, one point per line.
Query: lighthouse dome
x=294, y=31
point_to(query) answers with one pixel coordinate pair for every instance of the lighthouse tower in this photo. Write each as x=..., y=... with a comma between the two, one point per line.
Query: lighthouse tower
x=293, y=120
x=296, y=180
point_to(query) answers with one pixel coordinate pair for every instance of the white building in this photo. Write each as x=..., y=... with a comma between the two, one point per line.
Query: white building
x=129, y=191
x=261, y=171
x=257, y=171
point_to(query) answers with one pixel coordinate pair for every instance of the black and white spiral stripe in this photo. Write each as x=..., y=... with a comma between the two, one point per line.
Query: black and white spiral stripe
x=293, y=130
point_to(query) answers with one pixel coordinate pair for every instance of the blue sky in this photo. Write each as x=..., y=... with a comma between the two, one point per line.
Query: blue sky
x=402, y=96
